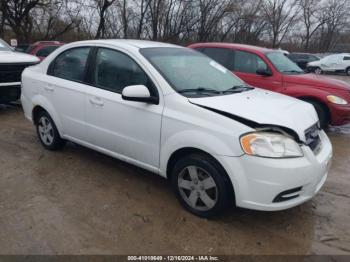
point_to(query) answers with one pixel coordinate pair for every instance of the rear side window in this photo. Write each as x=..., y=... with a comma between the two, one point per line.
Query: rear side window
x=313, y=58
x=115, y=70
x=248, y=63
x=71, y=64
x=223, y=56
x=45, y=51
x=30, y=49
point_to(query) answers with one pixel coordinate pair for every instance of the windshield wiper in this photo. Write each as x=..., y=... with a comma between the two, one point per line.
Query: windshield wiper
x=238, y=89
x=199, y=90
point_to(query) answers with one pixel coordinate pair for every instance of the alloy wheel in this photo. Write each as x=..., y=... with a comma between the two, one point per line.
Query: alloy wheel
x=46, y=131
x=198, y=188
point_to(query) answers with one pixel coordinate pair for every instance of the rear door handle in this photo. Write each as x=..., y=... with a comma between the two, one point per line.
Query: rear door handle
x=96, y=101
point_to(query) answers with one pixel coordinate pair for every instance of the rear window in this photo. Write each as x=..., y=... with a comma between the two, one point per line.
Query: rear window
x=45, y=51
x=221, y=55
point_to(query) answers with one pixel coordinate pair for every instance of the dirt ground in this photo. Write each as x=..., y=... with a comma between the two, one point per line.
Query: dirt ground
x=77, y=201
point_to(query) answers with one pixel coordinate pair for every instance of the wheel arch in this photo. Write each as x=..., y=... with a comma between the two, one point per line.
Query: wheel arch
x=347, y=69
x=186, y=151
x=323, y=104
x=41, y=104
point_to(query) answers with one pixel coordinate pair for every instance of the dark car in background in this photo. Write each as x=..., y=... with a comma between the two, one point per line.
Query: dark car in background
x=43, y=48
x=302, y=59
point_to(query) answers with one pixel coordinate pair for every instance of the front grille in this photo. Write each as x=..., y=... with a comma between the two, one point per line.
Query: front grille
x=12, y=72
x=312, y=136
x=9, y=93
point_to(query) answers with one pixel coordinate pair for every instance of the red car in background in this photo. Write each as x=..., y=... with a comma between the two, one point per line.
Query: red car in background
x=272, y=70
x=43, y=48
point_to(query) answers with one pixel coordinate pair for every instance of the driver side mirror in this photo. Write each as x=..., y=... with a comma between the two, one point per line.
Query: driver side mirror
x=263, y=72
x=139, y=93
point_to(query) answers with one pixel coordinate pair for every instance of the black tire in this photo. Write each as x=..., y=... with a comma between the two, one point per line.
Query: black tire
x=55, y=142
x=318, y=71
x=347, y=71
x=322, y=113
x=206, y=166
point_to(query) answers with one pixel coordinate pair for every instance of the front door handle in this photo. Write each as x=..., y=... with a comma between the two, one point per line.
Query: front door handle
x=49, y=87
x=96, y=101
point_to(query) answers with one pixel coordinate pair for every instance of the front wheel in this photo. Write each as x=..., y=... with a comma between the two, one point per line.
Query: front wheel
x=322, y=113
x=201, y=185
x=48, y=133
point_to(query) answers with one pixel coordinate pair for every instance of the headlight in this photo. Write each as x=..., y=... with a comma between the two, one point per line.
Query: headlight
x=337, y=100
x=270, y=145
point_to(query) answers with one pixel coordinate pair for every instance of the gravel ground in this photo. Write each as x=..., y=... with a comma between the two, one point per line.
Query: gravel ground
x=77, y=201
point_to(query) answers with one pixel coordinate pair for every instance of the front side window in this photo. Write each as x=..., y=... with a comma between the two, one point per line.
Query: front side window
x=248, y=63
x=71, y=64
x=283, y=64
x=115, y=70
x=45, y=51
x=347, y=58
x=192, y=73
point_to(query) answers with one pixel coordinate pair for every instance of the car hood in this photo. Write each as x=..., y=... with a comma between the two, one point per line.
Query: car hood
x=264, y=108
x=7, y=57
x=317, y=81
x=314, y=63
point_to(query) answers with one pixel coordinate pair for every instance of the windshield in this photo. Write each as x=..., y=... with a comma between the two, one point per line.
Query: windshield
x=283, y=64
x=4, y=46
x=192, y=73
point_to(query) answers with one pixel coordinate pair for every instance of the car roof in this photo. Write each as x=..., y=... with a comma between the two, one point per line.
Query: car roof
x=131, y=42
x=340, y=54
x=235, y=46
x=299, y=53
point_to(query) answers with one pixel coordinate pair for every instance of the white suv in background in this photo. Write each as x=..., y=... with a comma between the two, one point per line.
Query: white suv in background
x=179, y=114
x=12, y=65
x=338, y=63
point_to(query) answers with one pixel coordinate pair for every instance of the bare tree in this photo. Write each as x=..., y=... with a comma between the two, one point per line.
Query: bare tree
x=244, y=22
x=336, y=15
x=280, y=16
x=2, y=23
x=56, y=19
x=211, y=12
x=18, y=16
x=312, y=19
x=102, y=7
x=311, y=25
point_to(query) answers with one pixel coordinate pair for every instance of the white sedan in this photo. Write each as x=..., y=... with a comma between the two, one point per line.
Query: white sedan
x=179, y=114
x=338, y=63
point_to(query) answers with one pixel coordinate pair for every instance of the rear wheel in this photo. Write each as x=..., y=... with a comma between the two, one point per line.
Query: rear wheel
x=200, y=184
x=318, y=71
x=48, y=133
